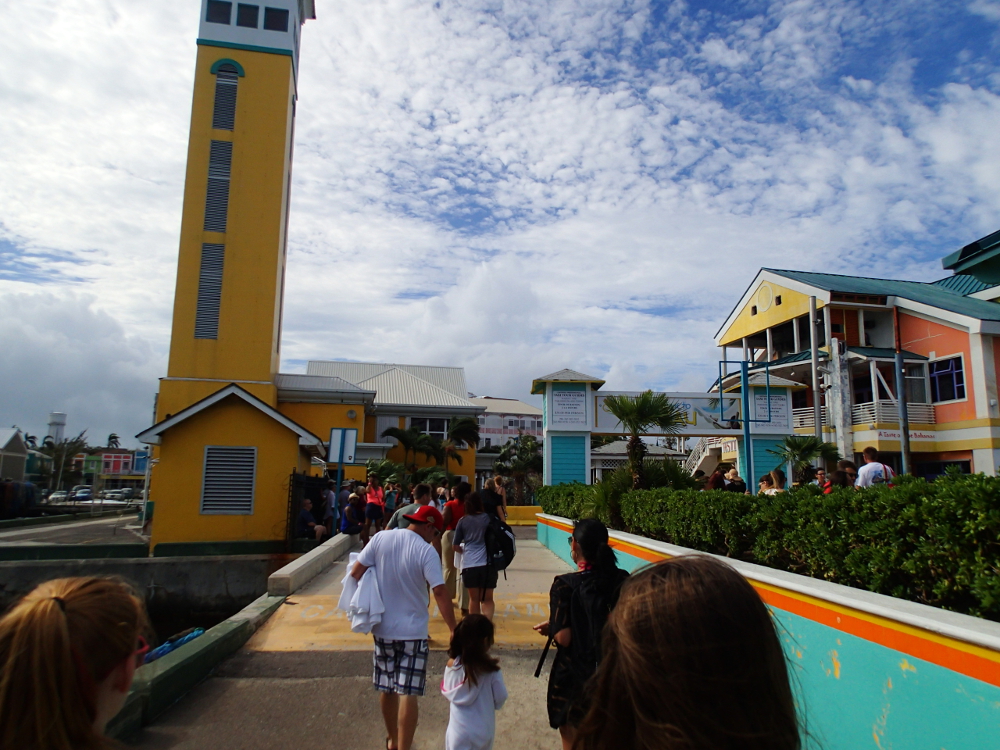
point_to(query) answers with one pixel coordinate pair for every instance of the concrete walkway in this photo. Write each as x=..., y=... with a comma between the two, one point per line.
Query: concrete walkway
x=113, y=530
x=304, y=680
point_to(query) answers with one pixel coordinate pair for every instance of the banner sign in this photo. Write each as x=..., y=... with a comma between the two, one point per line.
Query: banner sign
x=702, y=417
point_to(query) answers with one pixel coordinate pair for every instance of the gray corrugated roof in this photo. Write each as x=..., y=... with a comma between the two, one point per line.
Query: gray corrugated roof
x=397, y=387
x=506, y=406
x=917, y=291
x=449, y=379
x=570, y=375
x=298, y=382
x=963, y=283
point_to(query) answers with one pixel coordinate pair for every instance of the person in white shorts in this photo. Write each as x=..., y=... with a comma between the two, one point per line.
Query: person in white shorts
x=405, y=564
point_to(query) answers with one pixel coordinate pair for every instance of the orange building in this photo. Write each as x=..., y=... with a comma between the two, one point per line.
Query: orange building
x=948, y=332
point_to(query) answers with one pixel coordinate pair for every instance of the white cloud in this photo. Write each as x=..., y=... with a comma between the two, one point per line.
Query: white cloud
x=513, y=187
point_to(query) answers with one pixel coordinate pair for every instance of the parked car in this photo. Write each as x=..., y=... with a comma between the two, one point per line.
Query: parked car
x=59, y=496
x=106, y=504
x=113, y=495
x=78, y=487
x=83, y=495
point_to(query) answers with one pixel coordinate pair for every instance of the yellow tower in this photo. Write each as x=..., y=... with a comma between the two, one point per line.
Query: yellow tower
x=231, y=266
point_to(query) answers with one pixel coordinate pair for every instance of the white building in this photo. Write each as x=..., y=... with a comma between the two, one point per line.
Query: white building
x=505, y=418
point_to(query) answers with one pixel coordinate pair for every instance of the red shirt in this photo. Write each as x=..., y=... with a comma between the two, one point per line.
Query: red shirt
x=376, y=496
x=457, y=511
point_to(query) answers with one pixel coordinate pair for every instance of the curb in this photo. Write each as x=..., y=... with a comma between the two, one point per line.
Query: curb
x=299, y=572
x=162, y=683
x=83, y=515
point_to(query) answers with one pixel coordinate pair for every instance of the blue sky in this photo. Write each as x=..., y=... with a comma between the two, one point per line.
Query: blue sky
x=514, y=187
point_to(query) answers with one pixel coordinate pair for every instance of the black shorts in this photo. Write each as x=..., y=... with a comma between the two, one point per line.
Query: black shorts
x=374, y=512
x=480, y=577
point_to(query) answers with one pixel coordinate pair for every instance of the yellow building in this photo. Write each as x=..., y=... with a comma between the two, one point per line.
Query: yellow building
x=233, y=437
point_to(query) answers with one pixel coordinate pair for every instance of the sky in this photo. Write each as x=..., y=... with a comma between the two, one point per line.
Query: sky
x=510, y=186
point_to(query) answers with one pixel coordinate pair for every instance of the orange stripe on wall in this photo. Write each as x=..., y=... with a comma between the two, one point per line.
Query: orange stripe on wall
x=965, y=658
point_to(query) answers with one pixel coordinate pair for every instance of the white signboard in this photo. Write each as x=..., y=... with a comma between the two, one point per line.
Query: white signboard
x=702, y=415
x=342, y=439
x=569, y=409
x=780, y=413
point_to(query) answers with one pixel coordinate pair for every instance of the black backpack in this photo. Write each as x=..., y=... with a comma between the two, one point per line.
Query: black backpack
x=500, y=545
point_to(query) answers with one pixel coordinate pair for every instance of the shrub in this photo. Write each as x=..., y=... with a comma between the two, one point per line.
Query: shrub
x=934, y=543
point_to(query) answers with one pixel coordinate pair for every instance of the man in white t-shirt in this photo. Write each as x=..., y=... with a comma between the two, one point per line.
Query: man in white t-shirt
x=405, y=564
x=873, y=472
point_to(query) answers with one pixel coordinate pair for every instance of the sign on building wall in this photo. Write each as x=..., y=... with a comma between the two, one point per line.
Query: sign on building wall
x=702, y=414
x=780, y=415
x=569, y=409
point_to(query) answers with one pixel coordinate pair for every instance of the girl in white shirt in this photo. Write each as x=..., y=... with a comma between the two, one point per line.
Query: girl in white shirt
x=473, y=686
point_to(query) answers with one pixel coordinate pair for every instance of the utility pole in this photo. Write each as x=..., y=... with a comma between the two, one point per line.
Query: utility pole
x=904, y=417
x=814, y=351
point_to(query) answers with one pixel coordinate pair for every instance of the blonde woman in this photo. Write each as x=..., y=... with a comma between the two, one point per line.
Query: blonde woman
x=494, y=498
x=69, y=651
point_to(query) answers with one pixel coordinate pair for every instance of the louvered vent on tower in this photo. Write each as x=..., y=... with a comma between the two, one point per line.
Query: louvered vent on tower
x=224, y=115
x=220, y=162
x=206, y=319
x=228, y=483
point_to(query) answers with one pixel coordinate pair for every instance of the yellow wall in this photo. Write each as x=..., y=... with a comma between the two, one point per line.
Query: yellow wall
x=793, y=304
x=247, y=347
x=177, y=479
x=176, y=395
x=319, y=419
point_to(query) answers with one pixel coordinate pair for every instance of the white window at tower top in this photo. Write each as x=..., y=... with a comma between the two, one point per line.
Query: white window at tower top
x=267, y=26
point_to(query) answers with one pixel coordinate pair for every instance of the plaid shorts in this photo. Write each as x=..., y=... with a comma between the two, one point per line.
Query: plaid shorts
x=400, y=666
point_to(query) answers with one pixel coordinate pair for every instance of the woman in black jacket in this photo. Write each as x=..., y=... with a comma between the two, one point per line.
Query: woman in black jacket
x=579, y=605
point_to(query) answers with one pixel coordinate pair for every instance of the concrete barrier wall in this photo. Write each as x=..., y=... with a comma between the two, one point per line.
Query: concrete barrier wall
x=522, y=515
x=299, y=572
x=871, y=671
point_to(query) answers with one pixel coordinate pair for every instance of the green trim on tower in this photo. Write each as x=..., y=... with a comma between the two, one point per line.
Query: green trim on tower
x=248, y=47
x=227, y=61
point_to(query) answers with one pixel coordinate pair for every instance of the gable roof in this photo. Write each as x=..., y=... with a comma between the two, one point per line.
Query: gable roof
x=935, y=295
x=320, y=389
x=564, y=376
x=397, y=387
x=152, y=435
x=9, y=435
x=449, y=379
x=963, y=283
x=494, y=405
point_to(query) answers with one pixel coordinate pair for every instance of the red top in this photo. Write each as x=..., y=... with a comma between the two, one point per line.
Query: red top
x=457, y=511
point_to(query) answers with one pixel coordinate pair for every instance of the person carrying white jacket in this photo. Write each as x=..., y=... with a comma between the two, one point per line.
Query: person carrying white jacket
x=473, y=685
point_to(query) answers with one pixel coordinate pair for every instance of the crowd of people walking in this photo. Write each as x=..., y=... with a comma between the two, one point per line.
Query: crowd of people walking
x=681, y=654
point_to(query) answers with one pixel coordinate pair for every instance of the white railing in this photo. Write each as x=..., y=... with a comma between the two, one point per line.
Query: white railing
x=697, y=453
x=874, y=412
x=805, y=418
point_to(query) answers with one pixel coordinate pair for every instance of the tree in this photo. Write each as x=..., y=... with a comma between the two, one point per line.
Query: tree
x=521, y=460
x=114, y=441
x=62, y=455
x=801, y=451
x=639, y=414
x=49, y=442
x=31, y=441
x=464, y=430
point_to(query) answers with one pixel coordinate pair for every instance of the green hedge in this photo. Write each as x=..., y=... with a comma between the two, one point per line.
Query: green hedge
x=935, y=543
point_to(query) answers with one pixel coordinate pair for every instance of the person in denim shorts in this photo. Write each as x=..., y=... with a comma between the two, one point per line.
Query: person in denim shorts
x=406, y=564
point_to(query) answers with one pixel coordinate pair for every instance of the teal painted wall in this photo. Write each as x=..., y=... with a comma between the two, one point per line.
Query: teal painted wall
x=858, y=694
x=763, y=461
x=569, y=458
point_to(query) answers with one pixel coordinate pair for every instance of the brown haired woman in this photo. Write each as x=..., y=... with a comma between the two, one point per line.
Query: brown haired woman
x=68, y=651
x=691, y=659
x=579, y=604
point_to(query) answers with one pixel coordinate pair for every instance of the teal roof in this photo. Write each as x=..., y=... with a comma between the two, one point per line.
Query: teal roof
x=916, y=291
x=789, y=359
x=972, y=251
x=874, y=352
x=963, y=283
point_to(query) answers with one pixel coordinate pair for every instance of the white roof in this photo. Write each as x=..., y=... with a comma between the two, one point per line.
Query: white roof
x=449, y=379
x=620, y=448
x=319, y=389
x=570, y=375
x=152, y=435
x=7, y=436
x=506, y=406
x=397, y=387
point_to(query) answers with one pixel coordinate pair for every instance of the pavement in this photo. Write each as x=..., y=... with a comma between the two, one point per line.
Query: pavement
x=305, y=680
x=100, y=531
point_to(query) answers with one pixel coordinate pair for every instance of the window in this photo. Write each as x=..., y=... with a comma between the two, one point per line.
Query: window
x=246, y=15
x=206, y=318
x=947, y=380
x=219, y=12
x=753, y=310
x=220, y=161
x=836, y=328
x=228, y=483
x=224, y=113
x=487, y=442
x=437, y=428
x=916, y=385
x=275, y=19
x=777, y=300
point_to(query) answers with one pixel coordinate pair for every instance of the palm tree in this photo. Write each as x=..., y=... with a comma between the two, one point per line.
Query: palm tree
x=464, y=430
x=801, y=451
x=114, y=441
x=49, y=442
x=521, y=460
x=408, y=439
x=31, y=441
x=638, y=414
x=62, y=454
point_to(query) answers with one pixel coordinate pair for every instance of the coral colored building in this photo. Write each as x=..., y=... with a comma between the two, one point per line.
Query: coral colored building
x=947, y=329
